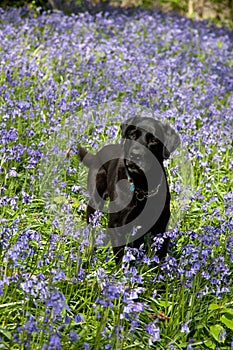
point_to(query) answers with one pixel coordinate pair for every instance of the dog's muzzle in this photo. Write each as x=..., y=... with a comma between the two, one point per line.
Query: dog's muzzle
x=133, y=166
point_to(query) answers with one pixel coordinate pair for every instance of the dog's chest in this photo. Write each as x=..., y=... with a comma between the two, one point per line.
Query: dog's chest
x=121, y=190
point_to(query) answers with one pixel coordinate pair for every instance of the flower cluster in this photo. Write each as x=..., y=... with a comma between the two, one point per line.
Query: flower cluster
x=74, y=79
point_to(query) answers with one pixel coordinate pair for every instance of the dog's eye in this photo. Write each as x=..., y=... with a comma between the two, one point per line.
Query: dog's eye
x=152, y=140
x=133, y=135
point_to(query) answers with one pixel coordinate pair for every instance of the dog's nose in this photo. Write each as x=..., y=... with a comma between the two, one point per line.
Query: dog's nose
x=135, y=154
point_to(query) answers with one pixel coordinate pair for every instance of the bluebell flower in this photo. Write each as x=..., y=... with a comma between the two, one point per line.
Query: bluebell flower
x=128, y=256
x=189, y=347
x=78, y=318
x=75, y=188
x=86, y=346
x=5, y=281
x=185, y=328
x=73, y=336
x=171, y=346
x=132, y=307
x=58, y=275
x=26, y=198
x=54, y=342
x=154, y=331
x=57, y=302
x=13, y=172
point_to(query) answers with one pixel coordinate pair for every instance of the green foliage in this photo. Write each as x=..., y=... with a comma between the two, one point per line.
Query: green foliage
x=33, y=4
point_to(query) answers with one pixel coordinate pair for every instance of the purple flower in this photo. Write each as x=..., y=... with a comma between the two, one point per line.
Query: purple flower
x=78, y=318
x=55, y=342
x=154, y=332
x=73, y=336
x=108, y=346
x=189, y=347
x=222, y=335
x=58, y=303
x=13, y=172
x=86, y=346
x=185, y=328
x=30, y=326
x=128, y=256
x=75, y=188
x=58, y=275
x=133, y=307
x=26, y=198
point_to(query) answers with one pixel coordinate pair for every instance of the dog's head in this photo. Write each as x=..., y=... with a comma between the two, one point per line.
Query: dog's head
x=148, y=134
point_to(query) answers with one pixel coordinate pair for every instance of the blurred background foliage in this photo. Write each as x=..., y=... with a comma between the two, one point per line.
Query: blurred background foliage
x=219, y=11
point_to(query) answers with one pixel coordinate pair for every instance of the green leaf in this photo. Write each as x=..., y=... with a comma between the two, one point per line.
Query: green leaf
x=210, y=344
x=219, y=44
x=228, y=311
x=227, y=319
x=6, y=333
x=215, y=307
x=60, y=200
x=75, y=203
x=216, y=331
x=164, y=303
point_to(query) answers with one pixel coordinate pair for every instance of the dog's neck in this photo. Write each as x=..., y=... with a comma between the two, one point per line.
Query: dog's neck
x=139, y=181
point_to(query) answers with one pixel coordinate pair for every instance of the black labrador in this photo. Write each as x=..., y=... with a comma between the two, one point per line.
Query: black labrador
x=132, y=176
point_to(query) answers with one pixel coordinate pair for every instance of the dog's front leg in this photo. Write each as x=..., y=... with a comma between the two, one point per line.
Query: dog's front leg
x=114, y=224
x=97, y=188
x=160, y=229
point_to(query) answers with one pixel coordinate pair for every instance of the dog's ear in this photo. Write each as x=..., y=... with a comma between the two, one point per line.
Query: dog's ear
x=171, y=141
x=126, y=124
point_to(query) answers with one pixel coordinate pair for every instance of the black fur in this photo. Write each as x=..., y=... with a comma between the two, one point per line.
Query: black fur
x=129, y=161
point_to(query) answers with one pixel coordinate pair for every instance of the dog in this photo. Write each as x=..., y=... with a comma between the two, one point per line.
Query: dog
x=132, y=176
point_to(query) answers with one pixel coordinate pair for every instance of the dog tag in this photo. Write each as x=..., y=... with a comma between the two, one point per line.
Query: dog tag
x=131, y=188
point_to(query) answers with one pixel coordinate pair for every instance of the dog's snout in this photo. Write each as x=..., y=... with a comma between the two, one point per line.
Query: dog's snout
x=135, y=154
